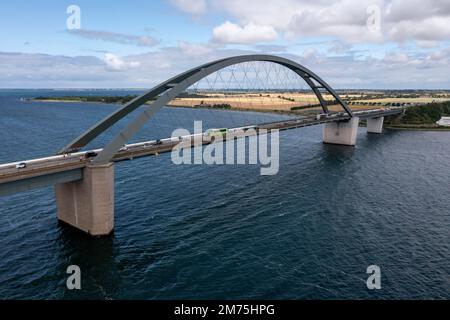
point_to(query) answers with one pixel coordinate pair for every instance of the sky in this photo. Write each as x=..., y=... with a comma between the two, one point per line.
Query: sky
x=352, y=44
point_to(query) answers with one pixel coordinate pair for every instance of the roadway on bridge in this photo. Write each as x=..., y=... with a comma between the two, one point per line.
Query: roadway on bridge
x=28, y=174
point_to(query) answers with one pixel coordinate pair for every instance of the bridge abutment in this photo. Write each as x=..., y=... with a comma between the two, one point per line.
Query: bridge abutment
x=341, y=132
x=375, y=125
x=88, y=204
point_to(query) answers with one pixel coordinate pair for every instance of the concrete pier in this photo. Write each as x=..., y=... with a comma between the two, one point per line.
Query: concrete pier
x=342, y=132
x=88, y=204
x=375, y=125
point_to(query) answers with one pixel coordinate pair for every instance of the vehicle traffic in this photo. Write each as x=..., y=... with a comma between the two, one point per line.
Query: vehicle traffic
x=216, y=132
x=21, y=165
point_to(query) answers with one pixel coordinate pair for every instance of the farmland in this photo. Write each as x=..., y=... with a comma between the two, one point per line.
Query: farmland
x=304, y=102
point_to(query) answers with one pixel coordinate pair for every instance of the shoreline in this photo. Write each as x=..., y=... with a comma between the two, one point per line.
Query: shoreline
x=277, y=112
x=69, y=101
x=417, y=128
x=404, y=127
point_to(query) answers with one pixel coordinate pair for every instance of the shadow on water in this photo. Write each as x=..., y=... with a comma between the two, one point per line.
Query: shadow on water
x=95, y=257
x=333, y=152
x=369, y=140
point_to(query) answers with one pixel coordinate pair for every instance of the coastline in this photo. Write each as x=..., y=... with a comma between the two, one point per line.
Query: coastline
x=278, y=112
x=416, y=128
x=69, y=101
x=403, y=127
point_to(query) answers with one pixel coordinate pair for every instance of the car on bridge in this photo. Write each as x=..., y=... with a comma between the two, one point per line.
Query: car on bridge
x=90, y=154
x=21, y=165
x=243, y=129
x=321, y=116
x=220, y=132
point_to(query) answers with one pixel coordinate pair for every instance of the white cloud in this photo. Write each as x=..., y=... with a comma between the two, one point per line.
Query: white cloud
x=309, y=53
x=144, y=41
x=343, y=19
x=396, y=69
x=250, y=33
x=440, y=55
x=347, y=20
x=195, y=50
x=427, y=43
x=275, y=13
x=195, y=7
x=116, y=63
x=396, y=57
x=428, y=29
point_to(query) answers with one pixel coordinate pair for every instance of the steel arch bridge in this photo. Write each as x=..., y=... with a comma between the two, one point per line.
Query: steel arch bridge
x=171, y=88
x=84, y=181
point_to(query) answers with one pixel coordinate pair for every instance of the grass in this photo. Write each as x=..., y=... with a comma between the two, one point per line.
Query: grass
x=420, y=100
x=423, y=117
x=423, y=109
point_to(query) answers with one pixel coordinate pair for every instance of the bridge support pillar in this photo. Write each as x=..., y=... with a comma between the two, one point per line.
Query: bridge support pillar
x=341, y=132
x=375, y=125
x=88, y=204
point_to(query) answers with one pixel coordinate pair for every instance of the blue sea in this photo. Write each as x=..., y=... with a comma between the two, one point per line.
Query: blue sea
x=225, y=231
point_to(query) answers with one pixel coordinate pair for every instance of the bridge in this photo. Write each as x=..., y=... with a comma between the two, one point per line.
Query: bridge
x=84, y=180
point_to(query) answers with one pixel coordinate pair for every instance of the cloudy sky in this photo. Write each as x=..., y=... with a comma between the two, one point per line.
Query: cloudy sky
x=136, y=44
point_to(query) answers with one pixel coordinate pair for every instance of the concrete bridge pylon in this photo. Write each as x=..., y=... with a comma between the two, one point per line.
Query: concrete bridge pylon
x=88, y=204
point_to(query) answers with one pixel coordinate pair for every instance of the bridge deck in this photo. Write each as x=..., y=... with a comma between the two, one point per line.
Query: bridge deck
x=64, y=168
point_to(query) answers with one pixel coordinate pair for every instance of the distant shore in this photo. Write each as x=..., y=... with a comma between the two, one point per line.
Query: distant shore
x=121, y=100
x=91, y=99
x=417, y=118
x=417, y=128
x=60, y=100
